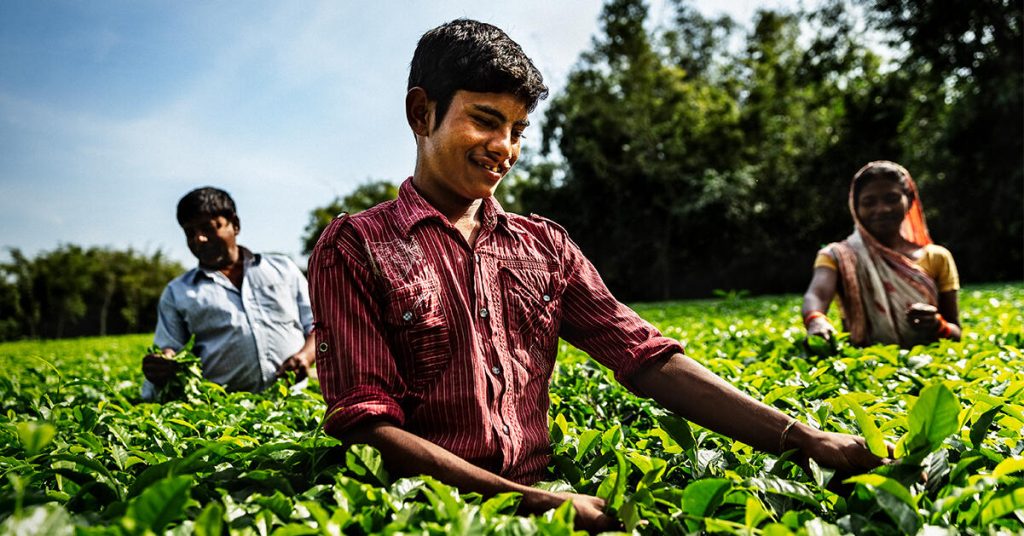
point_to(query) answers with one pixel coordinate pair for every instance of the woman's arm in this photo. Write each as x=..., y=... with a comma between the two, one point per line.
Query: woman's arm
x=949, y=308
x=816, y=302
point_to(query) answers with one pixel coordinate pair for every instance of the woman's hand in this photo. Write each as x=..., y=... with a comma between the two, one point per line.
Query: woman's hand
x=821, y=327
x=923, y=318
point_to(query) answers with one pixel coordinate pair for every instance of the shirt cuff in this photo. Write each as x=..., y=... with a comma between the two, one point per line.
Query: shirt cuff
x=358, y=405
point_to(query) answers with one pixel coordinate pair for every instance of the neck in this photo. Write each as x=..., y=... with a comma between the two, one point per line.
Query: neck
x=462, y=213
x=235, y=270
x=891, y=241
x=457, y=210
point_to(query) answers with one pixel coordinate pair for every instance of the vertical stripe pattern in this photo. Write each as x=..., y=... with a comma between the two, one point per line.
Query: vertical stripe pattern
x=456, y=343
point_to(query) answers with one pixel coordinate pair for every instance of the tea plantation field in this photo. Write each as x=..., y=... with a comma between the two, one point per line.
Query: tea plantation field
x=79, y=453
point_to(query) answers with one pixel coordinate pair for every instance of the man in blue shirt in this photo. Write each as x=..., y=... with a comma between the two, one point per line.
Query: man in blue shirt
x=249, y=313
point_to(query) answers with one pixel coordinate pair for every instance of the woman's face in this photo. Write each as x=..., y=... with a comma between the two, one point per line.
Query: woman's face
x=881, y=207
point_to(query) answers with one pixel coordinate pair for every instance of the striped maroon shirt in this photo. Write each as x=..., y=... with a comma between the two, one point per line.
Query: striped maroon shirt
x=456, y=343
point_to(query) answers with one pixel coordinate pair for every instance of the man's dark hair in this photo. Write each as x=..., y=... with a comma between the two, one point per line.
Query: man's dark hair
x=473, y=56
x=207, y=201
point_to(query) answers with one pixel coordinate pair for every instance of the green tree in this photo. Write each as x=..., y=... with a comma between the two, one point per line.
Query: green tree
x=363, y=197
x=72, y=291
x=638, y=134
x=964, y=135
x=688, y=164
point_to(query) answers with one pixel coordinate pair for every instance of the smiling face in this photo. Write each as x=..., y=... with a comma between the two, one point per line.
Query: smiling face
x=212, y=239
x=881, y=206
x=464, y=157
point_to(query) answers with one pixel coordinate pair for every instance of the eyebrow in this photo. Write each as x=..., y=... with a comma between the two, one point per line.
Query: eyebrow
x=490, y=110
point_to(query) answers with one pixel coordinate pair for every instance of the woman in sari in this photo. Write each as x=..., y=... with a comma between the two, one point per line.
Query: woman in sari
x=894, y=285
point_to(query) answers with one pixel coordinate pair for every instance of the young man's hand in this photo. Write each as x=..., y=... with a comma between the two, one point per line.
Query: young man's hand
x=159, y=369
x=845, y=453
x=590, y=514
x=299, y=364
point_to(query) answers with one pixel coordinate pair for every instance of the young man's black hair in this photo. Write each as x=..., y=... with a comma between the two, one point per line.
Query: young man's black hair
x=473, y=56
x=207, y=201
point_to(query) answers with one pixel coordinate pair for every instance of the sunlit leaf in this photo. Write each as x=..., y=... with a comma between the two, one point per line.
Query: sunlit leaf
x=873, y=437
x=701, y=497
x=210, y=520
x=1008, y=466
x=933, y=418
x=1001, y=504
x=159, y=505
x=35, y=436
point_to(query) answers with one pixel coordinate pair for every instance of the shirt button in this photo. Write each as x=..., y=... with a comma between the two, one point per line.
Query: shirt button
x=546, y=298
x=407, y=316
x=323, y=347
x=496, y=371
x=505, y=428
x=483, y=312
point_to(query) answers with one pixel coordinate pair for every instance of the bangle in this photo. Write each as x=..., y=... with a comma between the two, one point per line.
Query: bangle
x=812, y=315
x=943, y=331
x=785, y=434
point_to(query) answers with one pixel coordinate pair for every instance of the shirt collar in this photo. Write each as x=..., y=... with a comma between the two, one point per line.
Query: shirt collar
x=248, y=259
x=411, y=208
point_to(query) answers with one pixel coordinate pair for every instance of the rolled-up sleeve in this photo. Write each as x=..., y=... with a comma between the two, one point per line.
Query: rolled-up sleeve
x=595, y=322
x=356, y=369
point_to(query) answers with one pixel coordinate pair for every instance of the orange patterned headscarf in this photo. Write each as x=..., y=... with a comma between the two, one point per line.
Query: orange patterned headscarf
x=914, y=229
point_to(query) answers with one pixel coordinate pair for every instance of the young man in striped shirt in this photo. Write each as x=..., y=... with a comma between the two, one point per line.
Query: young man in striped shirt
x=438, y=314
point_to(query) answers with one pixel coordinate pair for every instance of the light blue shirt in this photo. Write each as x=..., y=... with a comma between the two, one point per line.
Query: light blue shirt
x=242, y=335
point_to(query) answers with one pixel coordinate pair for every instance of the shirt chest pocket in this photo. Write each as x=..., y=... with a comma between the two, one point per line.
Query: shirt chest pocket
x=419, y=334
x=530, y=294
x=276, y=303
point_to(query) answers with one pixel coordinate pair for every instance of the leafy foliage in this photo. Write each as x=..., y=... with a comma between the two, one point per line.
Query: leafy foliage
x=80, y=454
x=72, y=291
x=699, y=154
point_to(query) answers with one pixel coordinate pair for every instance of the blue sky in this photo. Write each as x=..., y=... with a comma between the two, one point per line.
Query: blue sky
x=111, y=111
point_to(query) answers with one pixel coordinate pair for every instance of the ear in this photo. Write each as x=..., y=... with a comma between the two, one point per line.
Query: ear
x=236, y=223
x=418, y=110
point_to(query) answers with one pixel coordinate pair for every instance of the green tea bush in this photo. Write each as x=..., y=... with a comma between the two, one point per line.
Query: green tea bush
x=81, y=454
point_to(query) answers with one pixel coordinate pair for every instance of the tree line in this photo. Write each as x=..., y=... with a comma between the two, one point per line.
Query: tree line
x=701, y=154
x=72, y=291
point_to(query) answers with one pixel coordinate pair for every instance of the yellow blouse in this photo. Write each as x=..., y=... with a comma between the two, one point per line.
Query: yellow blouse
x=936, y=261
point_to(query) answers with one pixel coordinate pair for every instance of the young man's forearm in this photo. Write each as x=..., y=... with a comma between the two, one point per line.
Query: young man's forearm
x=686, y=388
x=407, y=454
